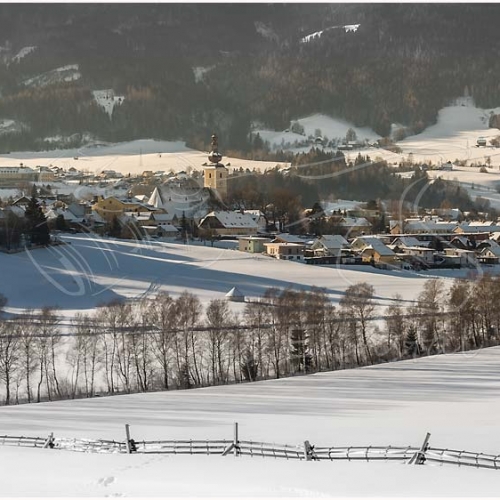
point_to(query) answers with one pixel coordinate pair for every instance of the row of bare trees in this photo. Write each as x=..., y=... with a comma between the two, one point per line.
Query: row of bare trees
x=166, y=342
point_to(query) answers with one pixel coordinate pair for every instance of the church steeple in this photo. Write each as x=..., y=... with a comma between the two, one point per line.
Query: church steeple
x=216, y=173
x=215, y=156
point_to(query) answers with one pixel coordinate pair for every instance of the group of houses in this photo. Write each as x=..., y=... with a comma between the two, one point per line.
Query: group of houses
x=413, y=243
x=431, y=244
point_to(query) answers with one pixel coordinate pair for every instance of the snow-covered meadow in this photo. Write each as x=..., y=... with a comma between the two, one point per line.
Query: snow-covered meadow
x=133, y=157
x=91, y=270
x=455, y=397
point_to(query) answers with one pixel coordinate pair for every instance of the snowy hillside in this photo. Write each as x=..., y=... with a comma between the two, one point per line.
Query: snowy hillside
x=328, y=127
x=91, y=270
x=454, y=397
x=128, y=157
x=67, y=73
x=455, y=135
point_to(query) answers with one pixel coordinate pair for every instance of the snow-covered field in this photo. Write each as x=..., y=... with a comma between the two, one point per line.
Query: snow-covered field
x=454, y=136
x=91, y=270
x=130, y=157
x=454, y=397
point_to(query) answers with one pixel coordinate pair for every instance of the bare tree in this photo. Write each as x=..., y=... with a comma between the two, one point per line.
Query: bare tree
x=395, y=328
x=277, y=334
x=9, y=355
x=430, y=305
x=141, y=341
x=163, y=315
x=218, y=316
x=91, y=351
x=461, y=321
x=28, y=350
x=256, y=316
x=188, y=312
x=358, y=301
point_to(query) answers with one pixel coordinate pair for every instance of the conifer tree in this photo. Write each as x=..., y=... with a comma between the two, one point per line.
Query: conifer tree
x=37, y=226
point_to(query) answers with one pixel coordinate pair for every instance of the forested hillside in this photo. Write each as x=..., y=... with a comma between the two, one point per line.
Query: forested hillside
x=187, y=69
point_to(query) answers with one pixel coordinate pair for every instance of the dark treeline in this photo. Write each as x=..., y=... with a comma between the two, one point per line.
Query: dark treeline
x=401, y=65
x=166, y=343
x=319, y=175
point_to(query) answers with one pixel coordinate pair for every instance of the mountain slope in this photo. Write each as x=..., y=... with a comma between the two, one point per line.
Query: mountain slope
x=401, y=63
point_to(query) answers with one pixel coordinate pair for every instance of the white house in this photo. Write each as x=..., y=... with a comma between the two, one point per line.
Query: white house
x=329, y=245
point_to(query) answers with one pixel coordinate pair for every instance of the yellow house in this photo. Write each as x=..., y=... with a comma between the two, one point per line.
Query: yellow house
x=253, y=244
x=107, y=208
x=373, y=249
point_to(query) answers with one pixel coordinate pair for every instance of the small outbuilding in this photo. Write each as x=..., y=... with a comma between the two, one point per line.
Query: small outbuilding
x=235, y=295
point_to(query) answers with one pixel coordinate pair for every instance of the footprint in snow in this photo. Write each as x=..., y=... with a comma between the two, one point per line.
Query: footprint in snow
x=106, y=481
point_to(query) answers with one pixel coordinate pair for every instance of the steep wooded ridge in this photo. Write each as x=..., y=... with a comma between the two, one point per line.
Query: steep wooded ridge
x=402, y=64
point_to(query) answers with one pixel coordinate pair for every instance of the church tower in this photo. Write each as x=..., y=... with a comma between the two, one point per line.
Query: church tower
x=215, y=175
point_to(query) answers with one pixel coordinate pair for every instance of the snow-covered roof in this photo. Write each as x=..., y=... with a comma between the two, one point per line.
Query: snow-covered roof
x=168, y=228
x=235, y=292
x=332, y=241
x=375, y=244
x=233, y=219
x=284, y=244
x=17, y=170
x=163, y=217
x=156, y=199
x=287, y=238
x=492, y=247
x=430, y=226
x=409, y=241
x=354, y=222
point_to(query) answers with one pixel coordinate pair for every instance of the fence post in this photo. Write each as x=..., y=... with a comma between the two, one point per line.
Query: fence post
x=419, y=457
x=309, y=451
x=236, y=446
x=127, y=442
x=49, y=443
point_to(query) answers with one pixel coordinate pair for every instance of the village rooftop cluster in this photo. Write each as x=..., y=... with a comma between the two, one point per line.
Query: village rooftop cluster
x=190, y=208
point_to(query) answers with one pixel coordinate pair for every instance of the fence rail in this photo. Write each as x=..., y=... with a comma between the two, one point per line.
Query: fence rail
x=26, y=441
x=405, y=454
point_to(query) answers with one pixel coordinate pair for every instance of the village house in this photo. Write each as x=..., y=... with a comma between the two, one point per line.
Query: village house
x=419, y=256
x=110, y=207
x=374, y=251
x=464, y=258
x=285, y=251
x=45, y=174
x=9, y=175
x=227, y=223
x=329, y=245
x=488, y=252
x=355, y=226
x=252, y=244
x=478, y=227
x=287, y=238
x=76, y=216
x=409, y=241
x=259, y=218
x=330, y=249
x=427, y=225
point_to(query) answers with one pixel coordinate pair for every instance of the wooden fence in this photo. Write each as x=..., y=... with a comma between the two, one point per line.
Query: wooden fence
x=413, y=455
